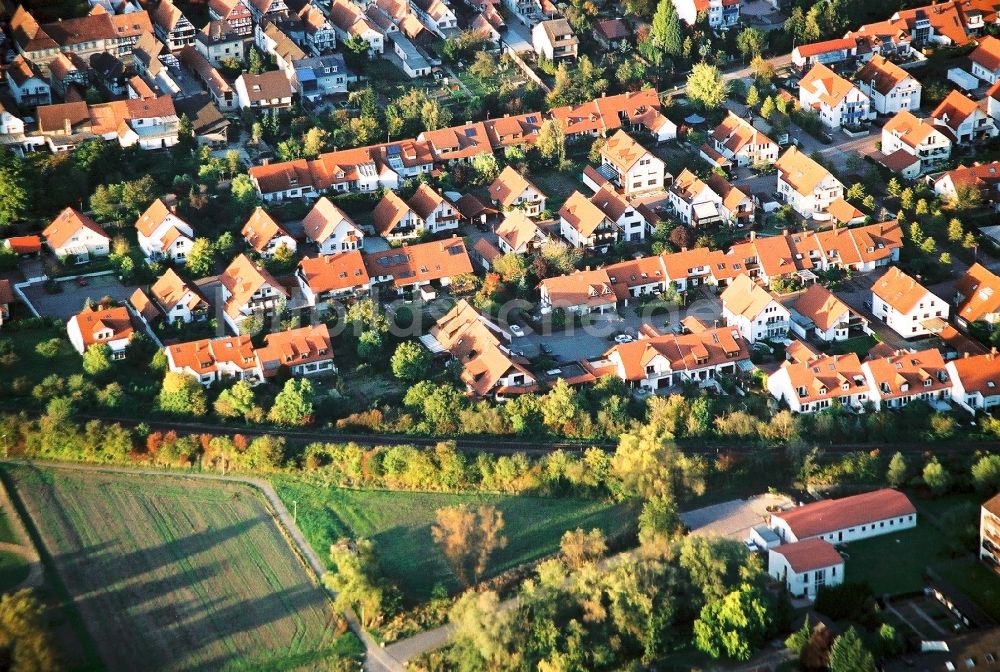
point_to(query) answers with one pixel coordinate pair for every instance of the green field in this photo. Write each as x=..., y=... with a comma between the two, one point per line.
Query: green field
x=6, y=533
x=894, y=563
x=975, y=581
x=399, y=523
x=178, y=574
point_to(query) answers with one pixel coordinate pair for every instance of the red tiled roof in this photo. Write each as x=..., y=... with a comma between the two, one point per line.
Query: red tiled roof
x=805, y=556
x=830, y=515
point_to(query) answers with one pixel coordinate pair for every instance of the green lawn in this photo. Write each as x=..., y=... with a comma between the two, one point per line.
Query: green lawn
x=894, y=563
x=557, y=186
x=13, y=570
x=859, y=345
x=399, y=524
x=6, y=531
x=35, y=366
x=975, y=581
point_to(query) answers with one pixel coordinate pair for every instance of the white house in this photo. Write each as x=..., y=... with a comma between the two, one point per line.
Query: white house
x=983, y=177
x=986, y=59
x=101, y=326
x=737, y=142
x=320, y=35
x=737, y=206
x=837, y=101
x=977, y=297
x=331, y=230
x=216, y=359
x=425, y=211
x=806, y=567
x=512, y=190
x=753, y=310
x=518, y=233
x=555, y=40
x=247, y=289
x=906, y=306
x=582, y=292
x=975, y=381
x=305, y=351
x=319, y=77
x=890, y=88
x=332, y=277
x=846, y=519
x=437, y=16
x=722, y=14
x=162, y=234
x=27, y=84
x=693, y=201
x=963, y=117
x=631, y=219
x=180, y=301
x=630, y=165
x=349, y=21
x=821, y=382
x=805, y=185
x=74, y=236
x=266, y=91
x=925, y=144
x=904, y=376
x=583, y=224
x=826, y=317
x=265, y=236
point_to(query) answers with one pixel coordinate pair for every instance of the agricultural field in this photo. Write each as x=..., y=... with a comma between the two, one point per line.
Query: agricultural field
x=399, y=524
x=175, y=574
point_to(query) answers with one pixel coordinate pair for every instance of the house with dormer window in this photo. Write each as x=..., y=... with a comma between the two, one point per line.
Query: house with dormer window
x=694, y=202
x=977, y=297
x=425, y=211
x=903, y=376
x=837, y=101
x=753, y=310
x=162, y=234
x=247, y=289
x=101, y=326
x=964, y=119
x=265, y=236
x=976, y=381
x=631, y=166
x=582, y=292
x=583, y=224
x=216, y=359
x=177, y=299
x=303, y=352
x=906, y=306
x=821, y=383
x=75, y=237
x=331, y=230
x=339, y=276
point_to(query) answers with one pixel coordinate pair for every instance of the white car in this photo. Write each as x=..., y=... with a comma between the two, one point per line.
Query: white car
x=516, y=330
x=623, y=338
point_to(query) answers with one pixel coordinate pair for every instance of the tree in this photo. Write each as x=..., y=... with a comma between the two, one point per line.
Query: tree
x=850, y=655
x=955, y=231
x=906, y=199
x=734, y=626
x=243, y=192
x=314, y=142
x=370, y=346
x=579, y=548
x=753, y=96
x=986, y=474
x=767, y=108
x=706, y=86
x=798, y=639
x=511, y=267
x=255, y=62
x=945, y=259
x=237, y=401
x=410, y=362
x=969, y=241
x=468, y=538
x=750, y=42
x=434, y=116
x=762, y=69
x=560, y=406
x=356, y=583
x=25, y=644
x=182, y=394
x=13, y=189
x=898, y=474
x=551, y=142
x=893, y=188
x=201, y=258
x=647, y=465
x=936, y=477
x=486, y=168
x=97, y=359
x=294, y=404
x=665, y=32
x=928, y=246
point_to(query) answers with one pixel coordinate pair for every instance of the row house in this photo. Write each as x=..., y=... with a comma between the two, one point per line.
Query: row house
x=890, y=88
x=172, y=27
x=753, y=310
x=699, y=266
x=702, y=354
x=820, y=383
x=246, y=289
x=101, y=326
x=218, y=41
x=513, y=191
x=234, y=13
x=320, y=35
x=175, y=298
x=846, y=519
x=720, y=14
x=27, y=84
x=418, y=269
x=631, y=220
x=962, y=117
x=458, y=143
x=426, y=211
x=76, y=237
x=837, y=101
x=331, y=230
x=920, y=145
x=156, y=66
x=108, y=73
x=489, y=368
x=580, y=293
x=66, y=71
x=265, y=236
x=437, y=16
x=906, y=306
x=320, y=77
x=637, y=111
x=977, y=298
x=632, y=278
x=350, y=22
x=270, y=39
x=694, y=203
x=904, y=377
x=985, y=60
x=514, y=130
x=806, y=186
x=983, y=177
x=265, y=9
x=826, y=52
x=212, y=360
x=735, y=142
x=519, y=234
x=303, y=352
x=975, y=381
x=735, y=206
x=163, y=236
x=332, y=277
x=630, y=165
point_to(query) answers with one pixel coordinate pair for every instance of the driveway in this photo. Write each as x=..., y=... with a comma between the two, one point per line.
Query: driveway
x=733, y=519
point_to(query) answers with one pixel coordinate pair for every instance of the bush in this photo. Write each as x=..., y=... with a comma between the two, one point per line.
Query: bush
x=848, y=600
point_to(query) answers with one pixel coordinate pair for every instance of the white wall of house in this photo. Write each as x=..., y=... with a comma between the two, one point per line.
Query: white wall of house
x=908, y=324
x=806, y=584
x=807, y=205
x=771, y=322
x=848, y=534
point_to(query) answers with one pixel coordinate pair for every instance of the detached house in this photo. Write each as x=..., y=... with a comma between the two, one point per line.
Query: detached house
x=162, y=234
x=975, y=381
x=890, y=88
x=819, y=383
x=721, y=14
x=986, y=60
x=846, y=519
x=265, y=236
x=583, y=224
x=74, y=236
x=630, y=165
x=266, y=91
x=963, y=119
x=172, y=27
x=736, y=207
x=179, y=300
x=983, y=177
x=805, y=185
x=736, y=142
x=425, y=211
x=27, y=83
x=306, y=351
x=907, y=306
x=336, y=276
x=806, y=567
x=753, y=310
x=101, y=326
x=820, y=314
x=518, y=234
x=903, y=377
x=914, y=146
x=331, y=230
x=837, y=101
x=247, y=289
x=581, y=292
x=512, y=190
x=694, y=202
x=977, y=297
x=632, y=221
x=555, y=40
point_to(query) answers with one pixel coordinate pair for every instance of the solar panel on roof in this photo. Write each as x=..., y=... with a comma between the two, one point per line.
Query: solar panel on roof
x=454, y=250
x=393, y=150
x=531, y=119
x=470, y=132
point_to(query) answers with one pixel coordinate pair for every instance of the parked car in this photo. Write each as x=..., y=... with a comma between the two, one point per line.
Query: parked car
x=623, y=338
x=826, y=138
x=517, y=330
x=546, y=348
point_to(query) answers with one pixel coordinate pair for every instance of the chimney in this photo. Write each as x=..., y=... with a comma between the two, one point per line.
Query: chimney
x=753, y=235
x=266, y=162
x=67, y=127
x=966, y=353
x=684, y=248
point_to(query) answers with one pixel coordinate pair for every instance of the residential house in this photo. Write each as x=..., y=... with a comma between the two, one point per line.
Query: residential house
x=583, y=224
x=736, y=142
x=977, y=298
x=821, y=382
x=906, y=306
x=825, y=52
x=218, y=88
x=271, y=39
x=305, y=351
x=320, y=35
x=582, y=292
x=986, y=60
x=975, y=381
x=179, y=300
x=527, y=12
x=219, y=41
x=694, y=202
x=844, y=214
x=108, y=73
x=837, y=101
x=984, y=178
x=805, y=185
x=419, y=268
x=846, y=519
x=513, y=191
x=635, y=111
x=349, y=21
x=265, y=236
x=612, y=33
x=261, y=9
x=163, y=235
x=630, y=165
x=246, y=290
x=234, y=13
x=890, y=88
x=819, y=314
x=700, y=355
x=699, y=266
x=101, y=326
x=514, y=131
x=11, y=125
x=963, y=118
x=721, y=14
x=172, y=27
x=210, y=128
x=989, y=535
x=437, y=16
x=320, y=77
x=213, y=360
x=754, y=310
x=902, y=377
x=806, y=567
x=993, y=102
x=632, y=278
x=332, y=277
x=518, y=234
x=266, y=91
x=331, y=230
x=75, y=237
x=482, y=349
x=490, y=25
x=736, y=206
x=458, y=143
x=27, y=84
x=631, y=220
x=152, y=63
x=426, y=211
x=922, y=145
x=415, y=63
x=67, y=71
x=555, y=40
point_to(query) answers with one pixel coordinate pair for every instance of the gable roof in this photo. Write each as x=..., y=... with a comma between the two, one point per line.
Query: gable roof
x=622, y=150
x=518, y=230
x=826, y=85
x=800, y=172
x=735, y=133
x=881, y=74
x=170, y=289
x=809, y=555
x=582, y=288
x=979, y=373
x=420, y=263
x=243, y=278
x=334, y=273
x=205, y=355
x=830, y=515
x=908, y=128
x=92, y=321
x=260, y=229
x=920, y=372
x=581, y=214
x=701, y=348
x=66, y=224
x=323, y=219
x=821, y=306
x=153, y=217
x=389, y=212
x=954, y=109
x=509, y=186
x=987, y=54
x=899, y=290
x=821, y=377
x=980, y=292
x=745, y=297
x=303, y=345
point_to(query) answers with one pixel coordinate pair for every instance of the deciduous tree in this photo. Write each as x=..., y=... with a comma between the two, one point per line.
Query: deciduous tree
x=733, y=626
x=850, y=655
x=468, y=538
x=182, y=394
x=410, y=362
x=294, y=404
x=25, y=643
x=97, y=359
x=706, y=87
